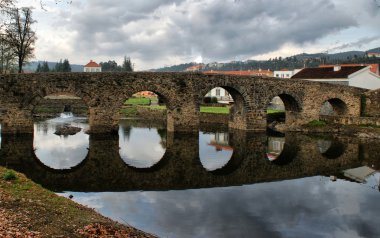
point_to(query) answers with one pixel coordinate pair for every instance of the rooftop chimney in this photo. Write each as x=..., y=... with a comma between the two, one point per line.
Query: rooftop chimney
x=337, y=68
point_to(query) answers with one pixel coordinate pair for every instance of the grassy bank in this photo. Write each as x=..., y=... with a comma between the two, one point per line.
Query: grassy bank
x=30, y=210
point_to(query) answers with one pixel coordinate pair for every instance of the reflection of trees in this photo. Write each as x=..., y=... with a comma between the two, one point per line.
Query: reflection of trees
x=162, y=133
x=127, y=130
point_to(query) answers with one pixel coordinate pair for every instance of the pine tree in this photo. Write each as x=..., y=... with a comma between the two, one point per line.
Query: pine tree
x=38, y=68
x=45, y=67
x=66, y=66
x=58, y=66
x=127, y=65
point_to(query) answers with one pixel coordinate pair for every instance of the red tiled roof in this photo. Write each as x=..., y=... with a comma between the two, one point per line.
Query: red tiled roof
x=92, y=64
x=374, y=67
x=241, y=72
x=327, y=73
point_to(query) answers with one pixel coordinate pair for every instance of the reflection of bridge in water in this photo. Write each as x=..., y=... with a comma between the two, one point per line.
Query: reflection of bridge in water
x=180, y=167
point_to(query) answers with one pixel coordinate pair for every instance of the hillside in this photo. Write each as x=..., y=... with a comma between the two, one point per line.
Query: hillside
x=293, y=62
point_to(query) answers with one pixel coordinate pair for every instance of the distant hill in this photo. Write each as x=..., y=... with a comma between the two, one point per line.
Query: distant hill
x=336, y=56
x=375, y=50
x=292, y=62
x=32, y=66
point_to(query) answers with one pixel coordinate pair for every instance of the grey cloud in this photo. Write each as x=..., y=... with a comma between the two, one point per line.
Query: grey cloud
x=306, y=207
x=357, y=44
x=217, y=30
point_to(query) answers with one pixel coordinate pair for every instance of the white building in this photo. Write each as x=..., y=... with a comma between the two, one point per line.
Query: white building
x=285, y=74
x=221, y=94
x=356, y=76
x=92, y=67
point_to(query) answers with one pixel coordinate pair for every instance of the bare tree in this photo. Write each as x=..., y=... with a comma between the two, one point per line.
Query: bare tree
x=7, y=56
x=6, y=3
x=19, y=34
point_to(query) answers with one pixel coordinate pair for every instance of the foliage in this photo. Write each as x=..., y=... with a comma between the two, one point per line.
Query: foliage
x=62, y=66
x=129, y=111
x=127, y=65
x=43, y=68
x=9, y=175
x=18, y=34
x=369, y=126
x=316, y=123
x=110, y=66
x=277, y=63
x=138, y=101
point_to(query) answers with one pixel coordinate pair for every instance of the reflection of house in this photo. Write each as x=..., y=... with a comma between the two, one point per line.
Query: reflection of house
x=284, y=73
x=221, y=94
x=356, y=76
x=275, y=147
x=220, y=141
x=92, y=67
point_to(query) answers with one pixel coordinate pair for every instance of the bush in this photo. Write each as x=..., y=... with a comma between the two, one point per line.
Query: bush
x=317, y=123
x=207, y=99
x=214, y=100
x=9, y=175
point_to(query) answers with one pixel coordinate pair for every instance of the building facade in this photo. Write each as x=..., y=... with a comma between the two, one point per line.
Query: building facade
x=92, y=66
x=355, y=76
x=284, y=73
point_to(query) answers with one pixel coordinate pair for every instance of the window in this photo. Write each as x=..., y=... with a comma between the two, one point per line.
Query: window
x=217, y=92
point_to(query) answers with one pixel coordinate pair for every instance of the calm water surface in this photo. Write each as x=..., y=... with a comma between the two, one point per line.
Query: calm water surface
x=216, y=183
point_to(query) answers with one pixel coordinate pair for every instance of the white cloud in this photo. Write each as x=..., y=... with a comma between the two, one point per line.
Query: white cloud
x=163, y=32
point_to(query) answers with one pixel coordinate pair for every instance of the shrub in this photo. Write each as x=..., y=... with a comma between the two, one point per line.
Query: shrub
x=9, y=175
x=214, y=100
x=317, y=123
x=207, y=99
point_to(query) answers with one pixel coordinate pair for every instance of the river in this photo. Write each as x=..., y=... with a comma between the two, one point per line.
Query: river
x=214, y=183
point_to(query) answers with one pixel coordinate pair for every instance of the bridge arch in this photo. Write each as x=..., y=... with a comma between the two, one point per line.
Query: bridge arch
x=239, y=107
x=283, y=107
x=334, y=107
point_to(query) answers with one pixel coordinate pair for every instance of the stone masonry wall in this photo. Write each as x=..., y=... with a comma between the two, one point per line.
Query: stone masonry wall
x=104, y=94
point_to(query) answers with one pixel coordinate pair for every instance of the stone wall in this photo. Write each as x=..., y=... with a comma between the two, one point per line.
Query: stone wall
x=214, y=118
x=371, y=103
x=351, y=120
x=54, y=107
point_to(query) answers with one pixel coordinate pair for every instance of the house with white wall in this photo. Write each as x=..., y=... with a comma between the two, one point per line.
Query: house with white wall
x=221, y=94
x=92, y=66
x=355, y=76
x=285, y=73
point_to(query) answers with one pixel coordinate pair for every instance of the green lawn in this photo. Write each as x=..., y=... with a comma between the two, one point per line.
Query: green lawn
x=271, y=111
x=157, y=107
x=220, y=110
x=138, y=101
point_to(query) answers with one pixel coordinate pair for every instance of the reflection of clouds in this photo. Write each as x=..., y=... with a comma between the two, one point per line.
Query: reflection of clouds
x=210, y=157
x=308, y=207
x=60, y=152
x=141, y=148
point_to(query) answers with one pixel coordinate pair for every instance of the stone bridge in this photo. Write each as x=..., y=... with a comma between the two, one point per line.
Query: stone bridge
x=105, y=93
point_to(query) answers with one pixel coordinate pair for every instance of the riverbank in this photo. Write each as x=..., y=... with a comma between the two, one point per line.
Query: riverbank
x=28, y=210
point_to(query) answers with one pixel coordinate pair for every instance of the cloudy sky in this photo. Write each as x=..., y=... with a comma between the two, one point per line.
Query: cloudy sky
x=156, y=33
